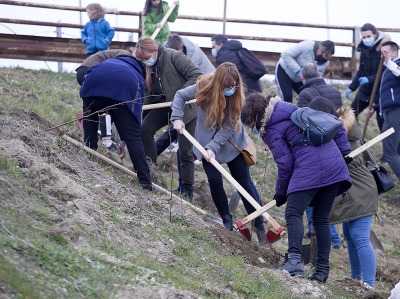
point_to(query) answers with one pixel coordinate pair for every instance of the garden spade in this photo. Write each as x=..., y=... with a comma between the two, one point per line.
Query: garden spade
x=272, y=236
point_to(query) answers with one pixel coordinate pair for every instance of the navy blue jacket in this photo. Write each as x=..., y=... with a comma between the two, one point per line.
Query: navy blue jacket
x=229, y=53
x=390, y=90
x=315, y=87
x=118, y=78
x=97, y=35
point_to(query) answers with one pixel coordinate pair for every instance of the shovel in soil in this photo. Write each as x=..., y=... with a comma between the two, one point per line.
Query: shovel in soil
x=271, y=236
x=279, y=230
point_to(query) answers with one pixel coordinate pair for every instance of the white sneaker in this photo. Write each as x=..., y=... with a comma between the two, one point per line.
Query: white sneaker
x=367, y=286
x=172, y=148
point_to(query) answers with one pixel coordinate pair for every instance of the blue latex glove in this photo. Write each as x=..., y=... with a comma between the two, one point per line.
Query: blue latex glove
x=347, y=93
x=298, y=73
x=363, y=80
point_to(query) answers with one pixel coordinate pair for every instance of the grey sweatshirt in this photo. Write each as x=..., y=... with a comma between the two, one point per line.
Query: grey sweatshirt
x=209, y=138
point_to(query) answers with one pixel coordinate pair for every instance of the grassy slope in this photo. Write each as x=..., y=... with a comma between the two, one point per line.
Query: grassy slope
x=121, y=249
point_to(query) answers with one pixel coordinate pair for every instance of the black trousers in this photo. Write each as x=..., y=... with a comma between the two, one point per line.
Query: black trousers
x=239, y=171
x=128, y=127
x=154, y=120
x=285, y=84
x=359, y=106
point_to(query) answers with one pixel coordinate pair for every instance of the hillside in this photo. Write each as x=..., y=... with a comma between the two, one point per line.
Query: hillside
x=72, y=226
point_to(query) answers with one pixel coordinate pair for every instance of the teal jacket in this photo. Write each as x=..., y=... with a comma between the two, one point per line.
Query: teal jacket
x=151, y=19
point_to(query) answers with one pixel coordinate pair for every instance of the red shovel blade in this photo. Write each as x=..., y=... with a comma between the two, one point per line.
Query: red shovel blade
x=79, y=117
x=244, y=231
x=272, y=237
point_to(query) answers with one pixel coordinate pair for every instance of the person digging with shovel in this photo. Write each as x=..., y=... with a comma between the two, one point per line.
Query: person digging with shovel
x=220, y=97
x=307, y=175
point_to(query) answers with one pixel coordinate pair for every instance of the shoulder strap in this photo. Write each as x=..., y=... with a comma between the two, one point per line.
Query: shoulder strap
x=370, y=156
x=316, y=91
x=234, y=145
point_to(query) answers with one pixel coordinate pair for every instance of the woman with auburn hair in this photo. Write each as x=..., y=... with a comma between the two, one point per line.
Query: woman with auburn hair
x=220, y=98
x=167, y=71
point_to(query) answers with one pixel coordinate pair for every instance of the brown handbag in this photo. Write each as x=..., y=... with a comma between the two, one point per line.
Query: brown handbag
x=249, y=153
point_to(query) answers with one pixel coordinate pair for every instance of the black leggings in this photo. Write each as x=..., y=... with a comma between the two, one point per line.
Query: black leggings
x=285, y=84
x=128, y=127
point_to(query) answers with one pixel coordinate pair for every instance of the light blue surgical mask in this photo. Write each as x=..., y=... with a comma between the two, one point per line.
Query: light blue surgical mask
x=369, y=42
x=230, y=91
x=150, y=62
x=214, y=52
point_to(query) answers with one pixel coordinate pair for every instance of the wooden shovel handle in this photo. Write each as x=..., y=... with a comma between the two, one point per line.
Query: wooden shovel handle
x=153, y=36
x=258, y=212
x=163, y=105
x=370, y=143
x=374, y=89
x=130, y=172
x=238, y=187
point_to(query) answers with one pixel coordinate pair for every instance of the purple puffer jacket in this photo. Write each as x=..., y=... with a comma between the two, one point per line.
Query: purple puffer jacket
x=303, y=167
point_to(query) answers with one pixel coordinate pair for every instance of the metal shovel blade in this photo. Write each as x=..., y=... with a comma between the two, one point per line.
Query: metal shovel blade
x=244, y=231
x=272, y=237
x=233, y=203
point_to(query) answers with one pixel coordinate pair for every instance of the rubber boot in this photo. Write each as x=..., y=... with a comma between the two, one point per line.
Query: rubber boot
x=227, y=220
x=293, y=264
x=320, y=275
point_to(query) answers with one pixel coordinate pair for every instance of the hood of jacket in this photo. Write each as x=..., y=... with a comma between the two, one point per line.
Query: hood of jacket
x=232, y=45
x=348, y=119
x=382, y=38
x=270, y=118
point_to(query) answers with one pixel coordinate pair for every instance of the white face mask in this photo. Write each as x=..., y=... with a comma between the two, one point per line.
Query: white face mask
x=369, y=42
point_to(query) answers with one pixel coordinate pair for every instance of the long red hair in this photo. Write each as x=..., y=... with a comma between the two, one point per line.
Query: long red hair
x=210, y=96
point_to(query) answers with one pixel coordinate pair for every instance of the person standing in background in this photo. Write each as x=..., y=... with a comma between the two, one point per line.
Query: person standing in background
x=97, y=33
x=288, y=68
x=154, y=12
x=370, y=57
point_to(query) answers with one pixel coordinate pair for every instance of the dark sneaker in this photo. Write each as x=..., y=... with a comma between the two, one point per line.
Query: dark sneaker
x=261, y=234
x=396, y=197
x=318, y=277
x=227, y=221
x=293, y=265
x=148, y=187
x=187, y=195
x=336, y=246
x=112, y=148
x=308, y=235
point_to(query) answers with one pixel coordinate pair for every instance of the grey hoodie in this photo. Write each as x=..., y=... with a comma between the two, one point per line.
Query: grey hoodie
x=294, y=58
x=210, y=138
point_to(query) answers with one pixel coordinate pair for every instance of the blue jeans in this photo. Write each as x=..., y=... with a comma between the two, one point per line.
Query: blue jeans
x=322, y=200
x=240, y=172
x=361, y=253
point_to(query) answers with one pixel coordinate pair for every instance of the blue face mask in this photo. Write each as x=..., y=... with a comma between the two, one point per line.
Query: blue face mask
x=230, y=91
x=214, y=52
x=369, y=42
x=150, y=62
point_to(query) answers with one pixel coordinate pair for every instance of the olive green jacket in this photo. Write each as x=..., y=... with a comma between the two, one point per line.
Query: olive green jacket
x=362, y=198
x=176, y=72
x=151, y=19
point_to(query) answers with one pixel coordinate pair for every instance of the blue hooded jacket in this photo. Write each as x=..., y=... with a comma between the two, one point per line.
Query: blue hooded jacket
x=97, y=35
x=119, y=78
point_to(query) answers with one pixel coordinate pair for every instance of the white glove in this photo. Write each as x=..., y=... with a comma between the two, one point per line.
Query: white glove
x=179, y=125
x=210, y=154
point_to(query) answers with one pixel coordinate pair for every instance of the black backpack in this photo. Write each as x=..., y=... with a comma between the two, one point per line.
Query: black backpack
x=251, y=65
x=317, y=127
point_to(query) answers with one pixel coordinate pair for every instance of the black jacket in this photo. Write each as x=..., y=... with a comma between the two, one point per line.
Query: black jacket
x=369, y=63
x=229, y=53
x=315, y=87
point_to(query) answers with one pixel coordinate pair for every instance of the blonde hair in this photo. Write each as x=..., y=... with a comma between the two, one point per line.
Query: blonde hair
x=143, y=46
x=210, y=96
x=100, y=12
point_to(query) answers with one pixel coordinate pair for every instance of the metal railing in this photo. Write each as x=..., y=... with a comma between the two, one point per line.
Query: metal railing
x=344, y=65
